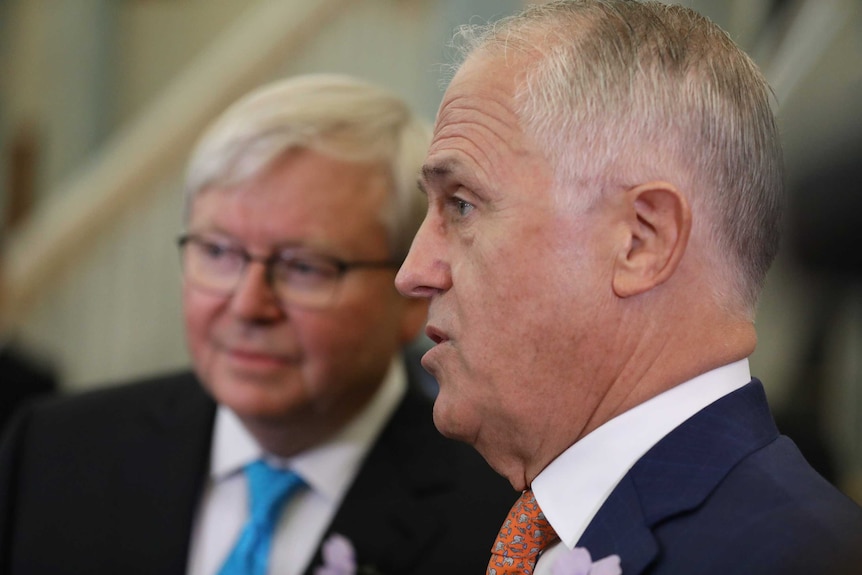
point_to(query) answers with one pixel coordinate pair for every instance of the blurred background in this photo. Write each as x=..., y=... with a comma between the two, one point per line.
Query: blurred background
x=101, y=100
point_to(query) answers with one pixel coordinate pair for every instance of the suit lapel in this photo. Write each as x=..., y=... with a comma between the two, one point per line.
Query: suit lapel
x=384, y=514
x=165, y=473
x=620, y=528
x=678, y=474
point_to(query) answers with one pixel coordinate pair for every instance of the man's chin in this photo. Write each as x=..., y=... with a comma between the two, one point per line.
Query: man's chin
x=449, y=423
x=258, y=398
x=254, y=409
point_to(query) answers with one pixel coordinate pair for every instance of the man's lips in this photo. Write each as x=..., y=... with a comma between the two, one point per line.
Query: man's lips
x=430, y=359
x=262, y=357
x=436, y=334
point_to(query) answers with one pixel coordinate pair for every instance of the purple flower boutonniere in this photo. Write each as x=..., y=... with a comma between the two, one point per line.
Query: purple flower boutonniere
x=339, y=558
x=579, y=562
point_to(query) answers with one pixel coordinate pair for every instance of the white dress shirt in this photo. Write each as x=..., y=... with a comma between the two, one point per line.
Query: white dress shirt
x=572, y=488
x=328, y=470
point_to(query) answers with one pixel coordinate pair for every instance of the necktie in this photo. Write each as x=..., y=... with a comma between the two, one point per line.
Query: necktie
x=523, y=535
x=269, y=489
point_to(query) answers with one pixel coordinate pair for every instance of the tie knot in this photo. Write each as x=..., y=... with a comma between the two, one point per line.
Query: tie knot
x=523, y=535
x=269, y=489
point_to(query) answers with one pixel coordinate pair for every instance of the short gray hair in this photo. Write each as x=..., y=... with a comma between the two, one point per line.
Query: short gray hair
x=335, y=115
x=621, y=91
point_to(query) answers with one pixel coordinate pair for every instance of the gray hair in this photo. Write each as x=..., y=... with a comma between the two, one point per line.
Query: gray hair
x=335, y=115
x=618, y=92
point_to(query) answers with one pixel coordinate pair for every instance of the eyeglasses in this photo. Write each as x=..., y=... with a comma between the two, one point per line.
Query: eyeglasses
x=297, y=277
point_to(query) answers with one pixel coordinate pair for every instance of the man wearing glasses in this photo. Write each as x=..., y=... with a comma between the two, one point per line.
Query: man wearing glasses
x=310, y=447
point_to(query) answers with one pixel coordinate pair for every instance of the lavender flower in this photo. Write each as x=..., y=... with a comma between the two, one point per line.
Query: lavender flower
x=339, y=557
x=579, y=562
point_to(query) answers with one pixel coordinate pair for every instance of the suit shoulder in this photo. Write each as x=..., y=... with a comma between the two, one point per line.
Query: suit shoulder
x=772, y=513
x=125, y=393
x=777, y=480
x=113, y=406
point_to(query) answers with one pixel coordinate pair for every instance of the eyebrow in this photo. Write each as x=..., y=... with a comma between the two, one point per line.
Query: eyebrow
x=431, y=173
x=277, y=247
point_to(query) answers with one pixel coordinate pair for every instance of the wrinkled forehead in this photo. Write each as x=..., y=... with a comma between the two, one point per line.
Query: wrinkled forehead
x=484, y=90
x=478, y=141
x=478, y=104
x=493, y=68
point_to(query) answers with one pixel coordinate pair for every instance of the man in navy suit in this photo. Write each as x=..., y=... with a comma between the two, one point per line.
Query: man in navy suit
x=301, y=202
x=605, y=190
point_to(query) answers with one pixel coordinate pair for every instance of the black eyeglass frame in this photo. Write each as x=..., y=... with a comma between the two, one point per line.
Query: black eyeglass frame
x=340, y=266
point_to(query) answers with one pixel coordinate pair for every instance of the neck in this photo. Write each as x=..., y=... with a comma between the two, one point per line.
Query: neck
x=665, y=358
x=659, y=360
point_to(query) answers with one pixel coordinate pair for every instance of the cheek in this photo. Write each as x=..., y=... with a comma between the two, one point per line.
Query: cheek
x=515, y=315
x=322, y=344
x=337, y=341
x=376, y=328
x=499, y=286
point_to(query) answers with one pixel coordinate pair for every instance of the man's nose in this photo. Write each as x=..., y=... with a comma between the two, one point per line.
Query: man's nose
x=254, y=297
x=425, y=271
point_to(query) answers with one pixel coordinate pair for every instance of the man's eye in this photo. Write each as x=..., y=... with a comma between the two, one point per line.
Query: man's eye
x=462, y=207
x=297, y=266
x=215, y=251
x=305, y=268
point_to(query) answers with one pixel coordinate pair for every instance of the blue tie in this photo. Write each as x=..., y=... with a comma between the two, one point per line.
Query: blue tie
x=269, y=489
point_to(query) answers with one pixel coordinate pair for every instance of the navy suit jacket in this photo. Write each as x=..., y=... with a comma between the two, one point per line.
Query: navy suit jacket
x=108, y=482
x=725, y=494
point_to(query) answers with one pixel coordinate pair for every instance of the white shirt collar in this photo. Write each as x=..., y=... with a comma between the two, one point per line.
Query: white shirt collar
x=572, y=488
x=328, y=468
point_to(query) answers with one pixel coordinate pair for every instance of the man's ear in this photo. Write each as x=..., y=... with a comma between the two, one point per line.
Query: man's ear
x=657, y=224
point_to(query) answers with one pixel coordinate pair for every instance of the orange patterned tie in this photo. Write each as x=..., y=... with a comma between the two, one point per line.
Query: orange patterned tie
x=524, y=534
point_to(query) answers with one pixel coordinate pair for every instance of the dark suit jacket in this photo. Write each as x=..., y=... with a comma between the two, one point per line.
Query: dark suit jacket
x=108, y=483
x=724, y=493
x=21, y=379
